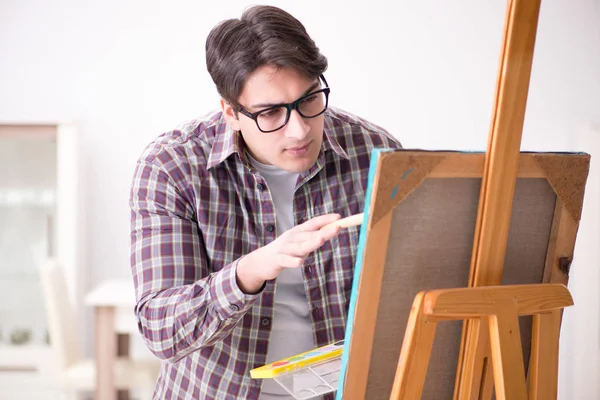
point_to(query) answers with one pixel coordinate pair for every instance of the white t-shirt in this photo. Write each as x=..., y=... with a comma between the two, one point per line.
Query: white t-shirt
x=291, y=328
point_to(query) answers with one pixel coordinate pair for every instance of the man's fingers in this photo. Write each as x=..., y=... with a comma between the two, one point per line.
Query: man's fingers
x=304, y=236
x=347, y=222
x=289, y=261
x=329, y=232
x=304, y=243
x=301, y=249
x=316, y=223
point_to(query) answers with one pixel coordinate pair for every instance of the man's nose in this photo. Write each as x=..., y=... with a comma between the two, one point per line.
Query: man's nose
x=297, y=128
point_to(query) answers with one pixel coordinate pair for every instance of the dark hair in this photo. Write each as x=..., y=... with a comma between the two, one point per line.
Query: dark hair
x=265, y=35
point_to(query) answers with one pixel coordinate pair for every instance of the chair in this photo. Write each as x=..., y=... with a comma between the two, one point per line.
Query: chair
x=75, y=373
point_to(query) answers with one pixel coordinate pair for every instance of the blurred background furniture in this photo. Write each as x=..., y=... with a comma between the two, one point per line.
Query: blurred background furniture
x=38, y=187
x=77, y=374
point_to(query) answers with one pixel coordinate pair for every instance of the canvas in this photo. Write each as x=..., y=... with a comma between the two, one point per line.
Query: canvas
x=418, y=233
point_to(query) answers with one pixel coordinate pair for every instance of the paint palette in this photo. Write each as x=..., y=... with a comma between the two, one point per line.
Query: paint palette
x=308, y=374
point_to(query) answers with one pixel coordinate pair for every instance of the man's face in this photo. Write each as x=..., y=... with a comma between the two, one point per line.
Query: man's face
x=294, y=147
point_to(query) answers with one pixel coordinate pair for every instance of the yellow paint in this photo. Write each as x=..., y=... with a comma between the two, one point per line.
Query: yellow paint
x=298, y=361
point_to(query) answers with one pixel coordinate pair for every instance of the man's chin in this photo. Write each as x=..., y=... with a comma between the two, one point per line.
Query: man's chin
x=298, y=164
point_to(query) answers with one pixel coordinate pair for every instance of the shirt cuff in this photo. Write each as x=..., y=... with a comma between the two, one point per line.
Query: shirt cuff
x=227, y=296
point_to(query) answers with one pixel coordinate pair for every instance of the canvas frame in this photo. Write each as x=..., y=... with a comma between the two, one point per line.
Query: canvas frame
x=566, y=173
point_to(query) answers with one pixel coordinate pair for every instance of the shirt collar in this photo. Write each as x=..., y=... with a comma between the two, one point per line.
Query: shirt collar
x=227, y=142
x=330, y=138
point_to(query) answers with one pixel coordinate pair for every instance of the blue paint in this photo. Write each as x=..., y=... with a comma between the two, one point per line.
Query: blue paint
x=404, y=175
x=407, y=173
x=357, y=270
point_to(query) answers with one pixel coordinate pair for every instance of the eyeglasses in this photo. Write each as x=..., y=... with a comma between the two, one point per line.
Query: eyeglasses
x=276, y=117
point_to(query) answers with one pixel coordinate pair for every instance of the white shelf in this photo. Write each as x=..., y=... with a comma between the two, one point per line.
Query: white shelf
x=39, y=212
x=32, y=363
x=23, y=355
x=27, y=198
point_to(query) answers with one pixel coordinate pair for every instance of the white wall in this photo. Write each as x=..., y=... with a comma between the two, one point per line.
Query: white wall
x=126, y=70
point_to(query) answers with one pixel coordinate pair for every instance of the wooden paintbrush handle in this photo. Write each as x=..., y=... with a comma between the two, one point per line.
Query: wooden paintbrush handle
x=347, y=222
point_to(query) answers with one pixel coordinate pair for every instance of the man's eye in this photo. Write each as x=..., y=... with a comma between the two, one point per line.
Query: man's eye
x=271, y=113
x=310, y=99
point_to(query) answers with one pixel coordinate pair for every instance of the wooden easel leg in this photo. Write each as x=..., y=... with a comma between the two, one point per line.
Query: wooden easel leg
x=507, y=354
x=474, y=369
x=415, y=354
x=498, y=307
x=543, y=364
x=498, y=183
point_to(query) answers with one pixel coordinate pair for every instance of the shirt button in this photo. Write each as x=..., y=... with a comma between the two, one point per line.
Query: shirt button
x=265, y=321
x=270, y=228
x=260, y=186
x=234, y=307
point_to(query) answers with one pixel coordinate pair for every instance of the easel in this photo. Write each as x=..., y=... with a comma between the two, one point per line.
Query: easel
x=473, y=379
x=500, y=307
x=491, y=343
x=498, y=185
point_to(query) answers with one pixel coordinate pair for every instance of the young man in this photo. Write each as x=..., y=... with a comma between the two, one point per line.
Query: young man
x=230, y=265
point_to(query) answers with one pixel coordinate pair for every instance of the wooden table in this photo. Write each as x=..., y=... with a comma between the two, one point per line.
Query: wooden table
x=113, y=302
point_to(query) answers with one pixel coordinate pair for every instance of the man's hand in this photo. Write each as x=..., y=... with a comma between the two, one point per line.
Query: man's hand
x=287, y=251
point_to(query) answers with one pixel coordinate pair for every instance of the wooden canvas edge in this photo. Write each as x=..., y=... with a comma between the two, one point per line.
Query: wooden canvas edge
x=373, y=170
x=561, y=249
x=451, y=165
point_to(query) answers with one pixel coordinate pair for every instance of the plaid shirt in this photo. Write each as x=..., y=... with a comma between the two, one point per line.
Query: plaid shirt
x=197, y=207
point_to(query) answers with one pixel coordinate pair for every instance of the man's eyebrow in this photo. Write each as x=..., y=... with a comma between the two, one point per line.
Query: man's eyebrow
x=266, y=105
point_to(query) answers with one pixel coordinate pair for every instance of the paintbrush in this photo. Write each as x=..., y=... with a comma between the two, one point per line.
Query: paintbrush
x=347, y=222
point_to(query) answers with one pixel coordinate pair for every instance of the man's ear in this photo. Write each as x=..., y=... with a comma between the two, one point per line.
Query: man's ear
x=229, y=114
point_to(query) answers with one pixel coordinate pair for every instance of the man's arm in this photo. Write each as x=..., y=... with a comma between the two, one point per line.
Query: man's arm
x=181, y=306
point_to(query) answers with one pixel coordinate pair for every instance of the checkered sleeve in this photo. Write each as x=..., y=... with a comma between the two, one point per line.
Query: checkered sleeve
x=182, y=305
